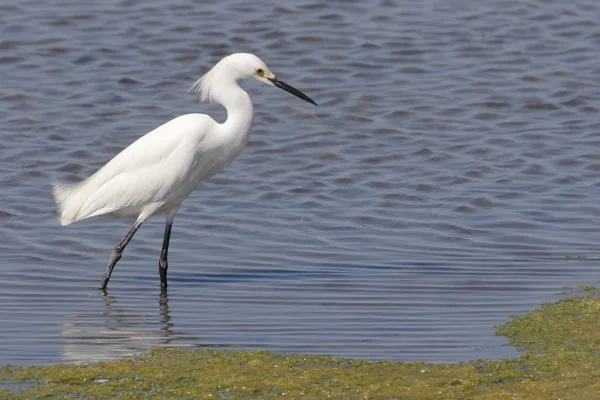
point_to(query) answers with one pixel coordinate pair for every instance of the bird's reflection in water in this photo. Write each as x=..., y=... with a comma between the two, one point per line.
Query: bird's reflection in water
x=166, y=316
x=115, y=331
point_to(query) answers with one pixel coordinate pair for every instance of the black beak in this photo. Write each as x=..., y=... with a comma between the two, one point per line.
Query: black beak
x=294, y=91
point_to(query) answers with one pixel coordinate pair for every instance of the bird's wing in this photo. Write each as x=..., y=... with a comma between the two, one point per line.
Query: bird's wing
x=145, y=172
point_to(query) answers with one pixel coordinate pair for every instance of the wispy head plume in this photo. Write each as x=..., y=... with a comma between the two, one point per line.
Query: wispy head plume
x=203, y=87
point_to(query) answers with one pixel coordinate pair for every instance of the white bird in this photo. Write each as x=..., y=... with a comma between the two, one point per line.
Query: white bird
x=157, y=172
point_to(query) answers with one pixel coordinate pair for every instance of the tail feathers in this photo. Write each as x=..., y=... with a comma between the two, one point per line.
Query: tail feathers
x=66, y=200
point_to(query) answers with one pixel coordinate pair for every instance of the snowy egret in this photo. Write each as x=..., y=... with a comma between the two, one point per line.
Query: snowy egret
x=157, y=172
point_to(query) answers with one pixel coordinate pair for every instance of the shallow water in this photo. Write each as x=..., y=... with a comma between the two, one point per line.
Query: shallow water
x=449, y=177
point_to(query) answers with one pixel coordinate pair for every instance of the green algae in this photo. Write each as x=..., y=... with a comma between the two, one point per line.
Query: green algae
x=561, y=341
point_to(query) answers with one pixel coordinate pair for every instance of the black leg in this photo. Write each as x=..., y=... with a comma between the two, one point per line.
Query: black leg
x=163, y=265
x=116, y=254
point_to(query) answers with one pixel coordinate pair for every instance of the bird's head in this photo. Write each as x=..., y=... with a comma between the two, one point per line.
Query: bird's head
x=246, y=66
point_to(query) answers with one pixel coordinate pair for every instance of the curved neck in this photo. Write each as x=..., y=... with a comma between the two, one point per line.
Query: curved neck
x=238, y=105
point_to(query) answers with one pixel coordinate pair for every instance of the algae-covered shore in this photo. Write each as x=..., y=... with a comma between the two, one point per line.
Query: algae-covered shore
x=560, y=341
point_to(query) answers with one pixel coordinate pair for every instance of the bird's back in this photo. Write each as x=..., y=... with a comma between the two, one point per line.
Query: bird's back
x=149, y=174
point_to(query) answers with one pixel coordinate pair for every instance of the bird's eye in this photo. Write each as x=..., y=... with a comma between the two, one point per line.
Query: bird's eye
x=260, y=71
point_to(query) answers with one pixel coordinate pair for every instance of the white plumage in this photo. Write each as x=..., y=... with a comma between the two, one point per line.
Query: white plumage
x=159, y=170
x=146, y=178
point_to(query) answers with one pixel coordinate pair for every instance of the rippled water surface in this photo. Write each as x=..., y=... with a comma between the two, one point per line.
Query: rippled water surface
x=449, y=177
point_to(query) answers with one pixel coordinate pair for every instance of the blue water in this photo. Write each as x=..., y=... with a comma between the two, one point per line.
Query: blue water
x=450, y=176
